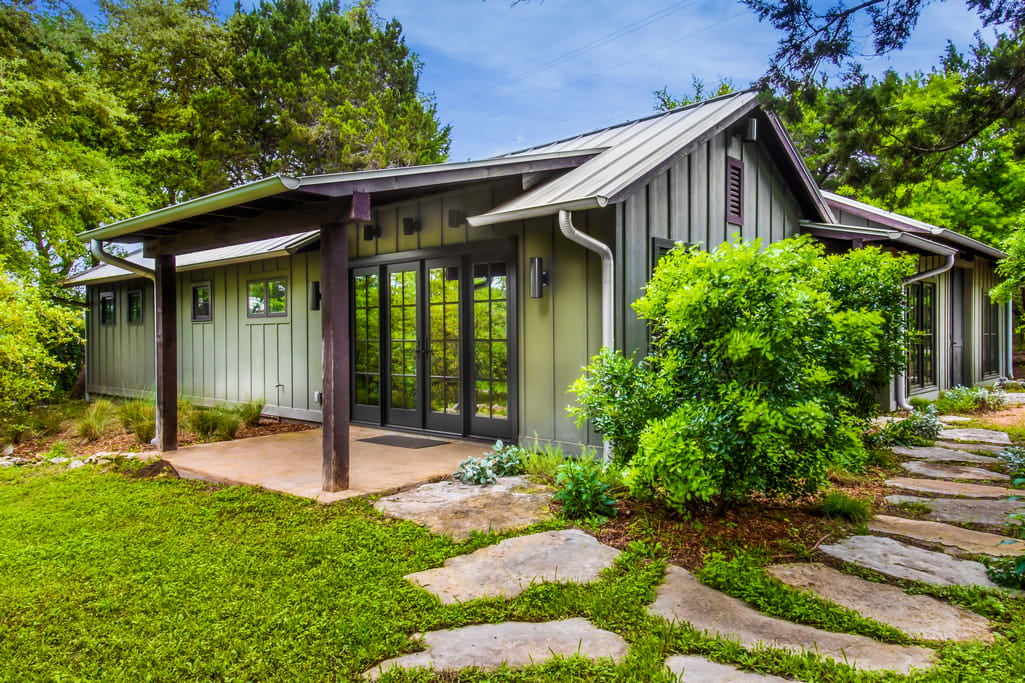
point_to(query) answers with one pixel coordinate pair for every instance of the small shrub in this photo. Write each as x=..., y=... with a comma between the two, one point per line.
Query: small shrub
x=506, y=459
x=140, y=418
x=250, y=412
x=477, y=471
x=58, y=449
x=970, y=400
x=98, y=419
x=582, y=492
x=919, y=403
x=216, y=423
x=914, y=509
x=918, y=428
x=842, y=477
x=544, y=463
x=228, y=424
x=1014, y=459
x=1007, y=571
x=837, y=505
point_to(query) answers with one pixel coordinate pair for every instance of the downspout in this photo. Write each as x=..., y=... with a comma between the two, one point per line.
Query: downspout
x=96, y=249
x=608, y=283
x=1010, y=340
x=901, y=380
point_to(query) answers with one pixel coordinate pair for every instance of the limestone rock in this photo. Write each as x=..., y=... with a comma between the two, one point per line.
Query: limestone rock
x=963, y=540
x=941, y=454
x=901, y=561
x=508, y=568
x=944, y=471
x=950, y=488
x=515, y=644
x=964, y=511
x=12, y=461
x=973, y=447
x=75, y=464
x=954, y=419
x=990, y=436
x=455, y=509
x=920, y=616
x=694, y=669
x=683, y=598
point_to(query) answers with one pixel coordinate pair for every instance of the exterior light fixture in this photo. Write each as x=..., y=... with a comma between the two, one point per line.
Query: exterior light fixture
x=538, y=277
x=410, y=226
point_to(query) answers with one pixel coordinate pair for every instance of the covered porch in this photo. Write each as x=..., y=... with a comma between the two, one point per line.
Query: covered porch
x=380, y=461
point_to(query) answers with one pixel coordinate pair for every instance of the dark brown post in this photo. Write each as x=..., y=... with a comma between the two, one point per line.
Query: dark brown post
x=166, y=315
x=334, y=288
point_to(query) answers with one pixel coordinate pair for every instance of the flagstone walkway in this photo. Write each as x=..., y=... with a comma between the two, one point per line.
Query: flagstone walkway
x=931, y=550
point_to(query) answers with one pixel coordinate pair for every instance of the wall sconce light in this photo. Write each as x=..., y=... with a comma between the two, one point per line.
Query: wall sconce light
x=751, y=130
x=370, y=232
x=410, y=226
x=538, y=277
x=456, y=218
x=315, y=295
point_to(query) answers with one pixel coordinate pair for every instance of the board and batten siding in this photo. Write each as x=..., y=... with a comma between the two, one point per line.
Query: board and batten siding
x=120, y=358
x=687, y=203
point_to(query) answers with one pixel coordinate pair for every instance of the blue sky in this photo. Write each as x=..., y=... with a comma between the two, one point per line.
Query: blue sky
x=507, y=77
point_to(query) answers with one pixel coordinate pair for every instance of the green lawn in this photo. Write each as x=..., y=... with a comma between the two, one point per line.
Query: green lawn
x=108, y=578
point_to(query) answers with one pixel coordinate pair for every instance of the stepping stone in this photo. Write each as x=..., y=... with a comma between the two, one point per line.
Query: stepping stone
x=694, y=669
x=516, y=644
x=942, y=471
x=919, y=616
x=954, y=419
x=901, y=561
x=990, y=436
x=454, y=509
x=964, y=540
x=1015, y=399
x=508, y=568
x=683, y=598
x=941, y=454
x=950, y=488
x=974, y=447
x=965, y=511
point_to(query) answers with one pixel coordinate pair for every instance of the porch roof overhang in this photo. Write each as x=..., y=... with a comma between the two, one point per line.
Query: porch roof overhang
x=903, y=240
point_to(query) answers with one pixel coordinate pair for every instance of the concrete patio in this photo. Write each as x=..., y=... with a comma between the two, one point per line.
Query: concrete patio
x=292, y=462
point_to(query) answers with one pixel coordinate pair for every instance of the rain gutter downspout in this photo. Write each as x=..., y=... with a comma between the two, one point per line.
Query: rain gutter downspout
x=96, y=249
x=1010, y=340
x=608, y=282
x=901, y=380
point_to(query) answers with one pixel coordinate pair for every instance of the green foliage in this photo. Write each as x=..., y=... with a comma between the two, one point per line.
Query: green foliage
x=503, y=460
x=59, y=449
x=582, y=492
x=219, y=423
x=838, y=505
x=665, y=102
x=970, y=400
x=250, y=412
x=915, y=509
x=765, y=363
x=1014, y=459
x=919, y=403
x=1007, y=571
x=99, y=418
x=140, y=418
x=917, y=429
x=544, y=462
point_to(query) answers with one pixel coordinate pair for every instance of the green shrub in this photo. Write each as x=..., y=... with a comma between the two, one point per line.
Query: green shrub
x=58, y=449
x=218, y=423
x=544, y=462
x=98, y=419
x=838, y=505
x=479, y=471
x=250, y=412
x=582, y=491
x=1014, y=460
x=970, y=400
x=1008, y=572
x=919, y=403
x=140, y=418
x=228, y=424
x=764, y=365
x=503, y=460
x=918, y=428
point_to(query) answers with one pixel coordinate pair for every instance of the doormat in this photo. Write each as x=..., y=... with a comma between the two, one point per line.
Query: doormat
x=404, y=441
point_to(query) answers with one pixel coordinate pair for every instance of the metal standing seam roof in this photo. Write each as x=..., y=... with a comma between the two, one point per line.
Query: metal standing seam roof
x=633, y=151
x=239, y=253
x=837, y=231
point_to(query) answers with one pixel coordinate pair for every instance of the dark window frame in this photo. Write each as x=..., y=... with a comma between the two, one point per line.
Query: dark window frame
x=660, y=246
x=734, y=186
x=128, y=306
x=990, y=337
x=105, y=319
x=921, y=373
x=267, y=313
x=205, y=317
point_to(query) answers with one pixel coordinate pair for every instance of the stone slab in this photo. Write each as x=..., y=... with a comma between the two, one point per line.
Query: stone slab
x=455, y=509
x=695, y=669
x=506, y=569
x=954, y=419
x=941, y=454
x=516, y=644
x=919, y=616
x=973, y=447
x=681, y=597
x=939, y=470
x=950, y=537
x=901, y=561
x=973, y=434
x=964, y=510
x=950, y=488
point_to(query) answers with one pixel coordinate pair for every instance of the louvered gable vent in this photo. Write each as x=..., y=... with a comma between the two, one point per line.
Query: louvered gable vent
x=734, y=191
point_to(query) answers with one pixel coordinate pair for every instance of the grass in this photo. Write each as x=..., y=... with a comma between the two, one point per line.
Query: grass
x=98, y=419
x=838, y=505
x=915, y=509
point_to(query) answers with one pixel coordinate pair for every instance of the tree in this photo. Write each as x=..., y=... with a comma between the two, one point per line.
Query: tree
x=664, y=101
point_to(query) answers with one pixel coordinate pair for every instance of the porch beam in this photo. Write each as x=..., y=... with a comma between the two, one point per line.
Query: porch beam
x=334, y=287
x=166, y=313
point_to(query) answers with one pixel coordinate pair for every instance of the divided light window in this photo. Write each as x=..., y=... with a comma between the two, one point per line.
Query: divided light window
x=990, y=337
x=202, y=302
x=107, y=310
x=734, y=191
x=267, y=298
x=135, y=307
x=922, y=330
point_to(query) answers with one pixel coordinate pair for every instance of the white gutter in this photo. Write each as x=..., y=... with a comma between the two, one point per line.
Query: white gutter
x=901, y=380
x=96, y=249
x=1010, y=340
x=608, y=284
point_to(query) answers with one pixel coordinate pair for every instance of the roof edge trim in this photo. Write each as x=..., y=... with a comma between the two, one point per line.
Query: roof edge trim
x=499, y=216
x=910, y=239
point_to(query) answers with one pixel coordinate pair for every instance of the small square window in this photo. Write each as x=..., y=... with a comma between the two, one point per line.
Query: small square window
x=267, y=298
x=202, y=302
x=135, y=307
x=107, y=309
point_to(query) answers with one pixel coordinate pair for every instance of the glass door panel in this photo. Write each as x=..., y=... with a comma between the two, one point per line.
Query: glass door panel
x=491, y=353
x=366, y=339
x=444, y=337
x=403, y=345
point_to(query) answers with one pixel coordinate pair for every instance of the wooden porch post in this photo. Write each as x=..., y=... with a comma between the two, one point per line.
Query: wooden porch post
x=166, y=314
x=334, y=278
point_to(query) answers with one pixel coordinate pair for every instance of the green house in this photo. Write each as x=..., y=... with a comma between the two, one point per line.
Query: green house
x=464, y=298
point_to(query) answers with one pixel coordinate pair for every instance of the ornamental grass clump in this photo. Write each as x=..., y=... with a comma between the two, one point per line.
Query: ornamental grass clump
x=99, y=418
x=763, y=370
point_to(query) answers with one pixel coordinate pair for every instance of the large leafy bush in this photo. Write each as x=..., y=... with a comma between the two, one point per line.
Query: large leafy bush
x=764, y=365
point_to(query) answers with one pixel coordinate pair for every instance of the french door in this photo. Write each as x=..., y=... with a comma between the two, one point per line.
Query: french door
x=434, y=345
